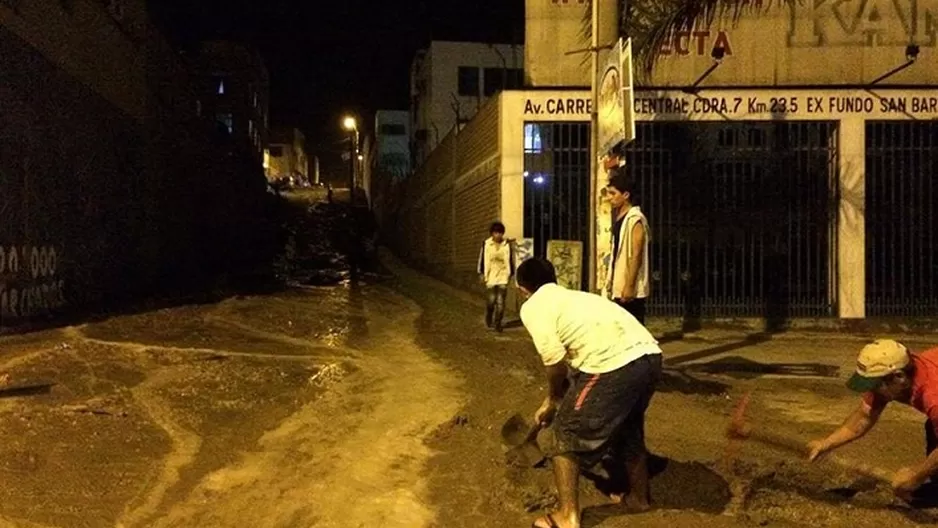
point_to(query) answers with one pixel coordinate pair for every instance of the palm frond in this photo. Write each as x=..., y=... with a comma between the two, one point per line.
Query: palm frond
x=685, y=15
x=653, y=23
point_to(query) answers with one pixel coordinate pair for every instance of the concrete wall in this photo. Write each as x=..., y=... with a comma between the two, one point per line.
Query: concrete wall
x=552, y=29
x=815, y=42
x=74, y=36
x=109, y=194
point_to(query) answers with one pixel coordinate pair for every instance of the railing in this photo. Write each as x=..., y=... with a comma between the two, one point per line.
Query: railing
x=743, y=217
x=901, y=223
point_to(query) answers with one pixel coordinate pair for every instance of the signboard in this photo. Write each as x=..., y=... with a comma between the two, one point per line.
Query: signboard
x=567, y=258
x=615, y=120
x=781, y=104
x=806, y=43
x=747, y=104
x=552, y=106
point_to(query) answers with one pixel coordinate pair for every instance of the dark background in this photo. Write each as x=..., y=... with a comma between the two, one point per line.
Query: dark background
x=327, y=58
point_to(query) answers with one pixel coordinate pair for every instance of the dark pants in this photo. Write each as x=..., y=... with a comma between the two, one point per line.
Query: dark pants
x=636, y=307
x=927, y=495
x=604, y=414
x=495, y=306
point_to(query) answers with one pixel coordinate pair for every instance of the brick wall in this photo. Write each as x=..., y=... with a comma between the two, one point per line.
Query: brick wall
x=449, y=203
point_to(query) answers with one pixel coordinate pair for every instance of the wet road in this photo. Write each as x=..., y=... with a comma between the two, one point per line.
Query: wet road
x=312, y=403
x=379, y=404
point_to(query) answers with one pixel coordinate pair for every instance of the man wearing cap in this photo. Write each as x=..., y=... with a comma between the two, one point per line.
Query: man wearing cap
x=887, y=372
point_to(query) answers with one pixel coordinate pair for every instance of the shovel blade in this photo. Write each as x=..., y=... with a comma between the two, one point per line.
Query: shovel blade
x=526, y=455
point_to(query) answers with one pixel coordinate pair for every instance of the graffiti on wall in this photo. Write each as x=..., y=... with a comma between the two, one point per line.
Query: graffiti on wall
x=30, y=283
x=567, y=258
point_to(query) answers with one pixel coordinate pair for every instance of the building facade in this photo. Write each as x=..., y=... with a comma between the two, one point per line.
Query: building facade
x=449, y=82
x=796, y=180
x=392, y=143
x=286, y=157
x=112, y=188
x=234, y=90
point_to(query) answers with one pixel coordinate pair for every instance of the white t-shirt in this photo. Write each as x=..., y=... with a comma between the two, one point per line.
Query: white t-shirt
x=594, y=335
x=495, y=262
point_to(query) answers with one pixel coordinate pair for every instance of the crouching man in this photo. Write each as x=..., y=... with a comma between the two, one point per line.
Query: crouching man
x=613, y=364
x=887, y=372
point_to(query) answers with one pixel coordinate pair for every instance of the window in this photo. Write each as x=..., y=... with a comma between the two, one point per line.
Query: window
x=468, y=81
x=392, y=130
x=494, y=81
x=276, y=151
x=227, y=120
x=218, y=82
x=532, y=138
x=251, y=128
x=515, y=79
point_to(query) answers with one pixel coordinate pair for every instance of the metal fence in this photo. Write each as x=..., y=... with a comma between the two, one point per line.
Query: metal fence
x=743, y=217
x=556, y=186
x=901, y=223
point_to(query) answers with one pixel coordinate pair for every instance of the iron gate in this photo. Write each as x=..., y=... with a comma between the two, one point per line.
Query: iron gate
x=556, y=186
x=743, y=217
x=901, y=223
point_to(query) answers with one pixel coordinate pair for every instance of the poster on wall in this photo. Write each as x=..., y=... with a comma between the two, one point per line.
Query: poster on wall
x=615, y=115
x=567, y=258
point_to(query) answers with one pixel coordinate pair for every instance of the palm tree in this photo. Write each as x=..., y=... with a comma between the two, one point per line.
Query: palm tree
x=653, y=23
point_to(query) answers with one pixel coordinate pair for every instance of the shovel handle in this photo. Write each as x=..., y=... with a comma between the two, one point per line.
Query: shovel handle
x=793, y=445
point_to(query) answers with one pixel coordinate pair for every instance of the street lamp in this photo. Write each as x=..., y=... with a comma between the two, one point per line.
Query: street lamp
x=350, y=124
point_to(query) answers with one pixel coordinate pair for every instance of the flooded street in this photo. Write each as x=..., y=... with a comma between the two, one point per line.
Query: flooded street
x=379, y=403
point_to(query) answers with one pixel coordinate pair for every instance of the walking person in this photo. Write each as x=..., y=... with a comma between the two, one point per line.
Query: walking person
x=629, y=272
x=613, y=365
x=496, y=268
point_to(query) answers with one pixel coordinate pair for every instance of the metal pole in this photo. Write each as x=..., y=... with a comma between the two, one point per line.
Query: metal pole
x=351, y=164
x=594, y=145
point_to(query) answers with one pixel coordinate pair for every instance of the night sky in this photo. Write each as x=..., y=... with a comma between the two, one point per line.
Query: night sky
x=329, y=57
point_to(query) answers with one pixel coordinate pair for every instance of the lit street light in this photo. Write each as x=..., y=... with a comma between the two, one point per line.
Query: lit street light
x=351, y=124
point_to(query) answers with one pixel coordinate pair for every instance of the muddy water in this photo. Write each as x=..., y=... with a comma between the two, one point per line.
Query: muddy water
x=353, y=458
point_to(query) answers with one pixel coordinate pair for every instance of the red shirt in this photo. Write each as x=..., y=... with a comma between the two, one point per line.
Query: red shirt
x=924, y=388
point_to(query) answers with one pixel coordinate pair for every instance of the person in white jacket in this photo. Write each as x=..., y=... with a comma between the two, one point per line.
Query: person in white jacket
x=496, y=268
x=629, y=277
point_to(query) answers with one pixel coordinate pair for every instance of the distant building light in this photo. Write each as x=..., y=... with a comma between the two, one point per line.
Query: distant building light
x=221, y=87
x=526, y=174
x=539, y=180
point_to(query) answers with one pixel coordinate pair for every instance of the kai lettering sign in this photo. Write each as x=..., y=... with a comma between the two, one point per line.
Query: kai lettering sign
x=827, y=23
x=571, y=107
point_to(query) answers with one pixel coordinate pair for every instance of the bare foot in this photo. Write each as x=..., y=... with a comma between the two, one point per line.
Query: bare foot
x=555, y=520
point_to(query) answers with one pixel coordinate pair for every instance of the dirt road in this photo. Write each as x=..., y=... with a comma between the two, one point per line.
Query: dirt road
x=380, y=404
x=253, y=412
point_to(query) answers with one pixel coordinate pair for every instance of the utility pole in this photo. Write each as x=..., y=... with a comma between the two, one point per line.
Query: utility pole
x=604, y=30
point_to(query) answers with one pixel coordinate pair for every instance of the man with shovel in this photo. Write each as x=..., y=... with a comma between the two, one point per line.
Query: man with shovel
x=613, y=364
x=888, y=372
